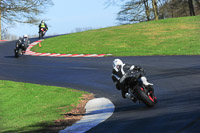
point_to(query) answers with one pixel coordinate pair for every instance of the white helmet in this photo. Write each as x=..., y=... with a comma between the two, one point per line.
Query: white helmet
x=117, y=63
x=25, y=36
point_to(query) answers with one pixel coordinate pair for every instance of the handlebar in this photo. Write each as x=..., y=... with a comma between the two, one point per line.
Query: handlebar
x=135, y=74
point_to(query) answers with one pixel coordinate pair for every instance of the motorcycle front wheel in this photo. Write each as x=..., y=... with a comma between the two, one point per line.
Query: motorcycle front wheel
x=16, y=53
x=144, y=97
x=40, y=35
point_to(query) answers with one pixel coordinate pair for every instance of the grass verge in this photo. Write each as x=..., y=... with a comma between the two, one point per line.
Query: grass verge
x=177, y=36
x=26, y=107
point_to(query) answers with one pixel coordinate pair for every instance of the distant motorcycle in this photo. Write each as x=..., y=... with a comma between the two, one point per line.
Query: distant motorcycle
x=137, y=89
x=42, y=33
x=21, y=47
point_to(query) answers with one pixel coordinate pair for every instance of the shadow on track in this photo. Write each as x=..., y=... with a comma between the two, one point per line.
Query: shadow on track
x=9, y=57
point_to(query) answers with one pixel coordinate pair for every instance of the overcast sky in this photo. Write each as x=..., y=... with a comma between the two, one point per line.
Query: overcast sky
x=67, y=15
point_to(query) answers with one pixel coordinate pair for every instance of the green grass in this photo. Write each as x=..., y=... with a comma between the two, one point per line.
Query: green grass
x=27, y=107
x=177, y=36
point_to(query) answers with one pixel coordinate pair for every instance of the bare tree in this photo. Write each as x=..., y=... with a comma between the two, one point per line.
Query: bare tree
x=135, y=11
x=22, y=11
x=191, y=7
x=197, y=4
x=147, y=9
x=180, y=8
x=155, y=9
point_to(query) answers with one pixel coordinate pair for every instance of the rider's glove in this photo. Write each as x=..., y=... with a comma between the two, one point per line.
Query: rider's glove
x=138, y=68
x=141, y=69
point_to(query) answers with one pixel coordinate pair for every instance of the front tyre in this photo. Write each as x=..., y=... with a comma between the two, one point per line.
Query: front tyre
x=16, y=53
x=40, y=35
x=145, y=98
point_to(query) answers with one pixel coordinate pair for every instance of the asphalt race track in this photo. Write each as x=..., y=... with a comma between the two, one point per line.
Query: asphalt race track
x=175, y=78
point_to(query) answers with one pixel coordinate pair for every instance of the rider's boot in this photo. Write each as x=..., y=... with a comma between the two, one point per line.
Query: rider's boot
x=147, y=85
x=145, y=82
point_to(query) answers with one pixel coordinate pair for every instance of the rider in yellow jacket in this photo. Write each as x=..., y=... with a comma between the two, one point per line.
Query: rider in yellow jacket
x=43, y=25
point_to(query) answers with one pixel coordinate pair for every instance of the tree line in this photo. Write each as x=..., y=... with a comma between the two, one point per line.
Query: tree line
x=134, y=11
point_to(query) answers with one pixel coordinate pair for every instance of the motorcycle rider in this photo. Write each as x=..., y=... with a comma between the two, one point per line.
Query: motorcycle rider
x=44, y=26
x=119, y=70
x=24, y=40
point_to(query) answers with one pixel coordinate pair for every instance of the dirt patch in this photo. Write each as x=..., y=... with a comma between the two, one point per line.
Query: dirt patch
x=71, y=117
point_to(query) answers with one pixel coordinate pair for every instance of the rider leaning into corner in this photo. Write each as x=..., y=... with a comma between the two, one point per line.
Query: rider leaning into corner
x=43, y=25
x=120, y=69
x=24, y=40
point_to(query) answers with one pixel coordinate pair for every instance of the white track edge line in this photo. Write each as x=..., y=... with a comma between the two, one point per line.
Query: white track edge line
x=97, y=111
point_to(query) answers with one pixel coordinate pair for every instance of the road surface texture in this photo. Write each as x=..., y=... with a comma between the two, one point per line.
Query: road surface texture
x=175, y=78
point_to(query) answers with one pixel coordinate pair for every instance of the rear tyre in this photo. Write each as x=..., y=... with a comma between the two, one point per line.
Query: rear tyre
x=145, y=98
